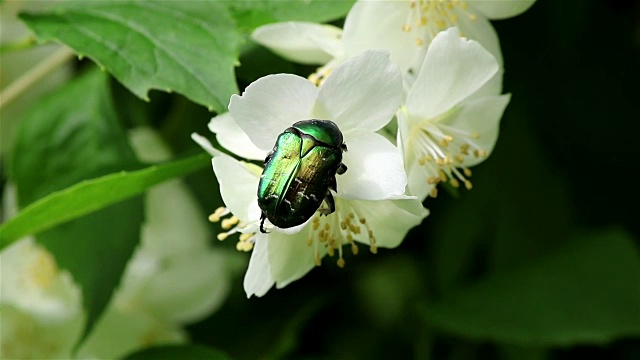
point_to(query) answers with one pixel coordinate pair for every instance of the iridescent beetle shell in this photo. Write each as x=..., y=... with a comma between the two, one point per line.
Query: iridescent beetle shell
x=300, y=172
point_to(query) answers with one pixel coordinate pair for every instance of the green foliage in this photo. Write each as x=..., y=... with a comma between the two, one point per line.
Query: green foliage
x=90, y=195
x=250, y=14
x=188, y=47
x=584, y=292
x=195, y=58
x=71, y=136
x=178, y=352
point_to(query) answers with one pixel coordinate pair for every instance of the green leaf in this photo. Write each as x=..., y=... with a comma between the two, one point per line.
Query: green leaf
x=189, y=47
x=91, y=195
x=178, y=352
x=95, y=249
x=514, y=352
x=586, y=291
x=250, y=14
x=68, y=137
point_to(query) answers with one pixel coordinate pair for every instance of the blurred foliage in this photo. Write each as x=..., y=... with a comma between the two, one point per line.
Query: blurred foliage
x=67, y=142
x=538, y=261
x=178, y=352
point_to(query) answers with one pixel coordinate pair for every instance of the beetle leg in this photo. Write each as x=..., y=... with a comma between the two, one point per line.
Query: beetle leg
x=330, y=203
x=332, y=184
x=342, y=168
x=263, y=217
x=343, y=147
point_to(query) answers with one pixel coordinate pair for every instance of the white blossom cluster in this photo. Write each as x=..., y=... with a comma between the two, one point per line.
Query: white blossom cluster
x=416, y=89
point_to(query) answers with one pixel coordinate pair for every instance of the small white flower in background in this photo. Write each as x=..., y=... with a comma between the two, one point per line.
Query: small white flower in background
x=175, y=274
x=360, y=97
x=42, y=315
x=405, y=28
x=173, y=278
x=447, y=125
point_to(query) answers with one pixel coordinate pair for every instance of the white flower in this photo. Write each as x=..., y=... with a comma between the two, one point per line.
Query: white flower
x=447, y=125
x=121, y=331
x=32, y=281
x=174, y=274
x=405, y=28
x=173, y=278
x=41, y=306
x=360, y=97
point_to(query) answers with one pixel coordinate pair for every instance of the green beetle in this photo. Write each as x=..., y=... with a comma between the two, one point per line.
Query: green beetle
x=299, y=173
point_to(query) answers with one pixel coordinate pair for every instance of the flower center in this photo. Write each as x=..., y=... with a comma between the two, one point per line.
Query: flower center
x=345, y=226
x=444, y=150
x=321, y=74
x=42, y=270
x=432, y=16
x=233, y=225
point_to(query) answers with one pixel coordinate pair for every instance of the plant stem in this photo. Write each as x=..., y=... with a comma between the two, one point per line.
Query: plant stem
x=22, y=44
x=32, y=76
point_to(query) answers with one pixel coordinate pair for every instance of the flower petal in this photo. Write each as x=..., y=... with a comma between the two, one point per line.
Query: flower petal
x=390, y=220
x=491, y=87
x=24, y=266
x=189, y=287
x=481, y=116
x=233, y=138
x=379, y=25
x=290, y=257
x=483, y=32
x=238, y=186
x=258, y=279
x=453, y=69
x=402, y=136
x=303, y=42
x=27, y=336
x=271, y=104
x=172, y=212
x=374, y=168
x=148, y=145
x=417, y=176
x=205, y=144
x=478, y=28
x=502, y=9
x=120, y=330
x=361, y=93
